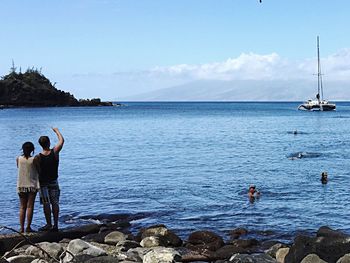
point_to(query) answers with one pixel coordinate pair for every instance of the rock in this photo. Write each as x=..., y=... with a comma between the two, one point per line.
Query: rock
x=79, y=247
x=312, y=258
x=167, y=237
x=114, y=237
x=152, y=242
x=125, y=245
x=53, y=249
x=281, y=254
x=258, y=258
x=194, y=256
x=228, y=251
x=137, y=254
x=204, y=240
x=163, y=255
x=16, y=252
x=325, y=231
x=103, y=259
x=237, y=233
x=245, y=243
x=329, y=249
x=110, y=249
x=272, y=250
x=39, y=260
x=344, y=259
x=21, y=259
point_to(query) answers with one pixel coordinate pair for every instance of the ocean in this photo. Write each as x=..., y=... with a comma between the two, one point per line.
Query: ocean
x=189, y=165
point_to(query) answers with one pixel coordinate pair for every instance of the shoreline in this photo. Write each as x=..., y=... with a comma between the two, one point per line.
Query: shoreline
x=115, y=241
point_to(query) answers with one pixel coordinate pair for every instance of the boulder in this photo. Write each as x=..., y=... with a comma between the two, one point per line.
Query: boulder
x=245, y=258
x=237, y=233
x=114, y=237
x=79, y=247
x=228, y=251
x=281, y=254
x=329, y=249
x=325, y=231
x=312, y=258
x=344, y=259
x=152, y=242
x=162, y=254
x=110, y=249
x=137, y=254
x=167, y=237
x=202, y=240
x=53, y=249
x=21, y=259
x=125, y=245
x=245, y=243
x=272, y=250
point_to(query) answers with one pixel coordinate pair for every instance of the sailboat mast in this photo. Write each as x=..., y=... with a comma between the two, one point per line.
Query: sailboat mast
x=319, y=80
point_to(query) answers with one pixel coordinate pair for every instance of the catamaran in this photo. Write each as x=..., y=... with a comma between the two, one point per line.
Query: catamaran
x=318, y=104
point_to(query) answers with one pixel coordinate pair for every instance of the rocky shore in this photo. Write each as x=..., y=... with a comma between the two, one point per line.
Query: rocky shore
x=33, y=89
x=113, y=242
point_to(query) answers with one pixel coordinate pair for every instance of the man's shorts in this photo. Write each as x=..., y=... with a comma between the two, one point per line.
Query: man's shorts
x=50, y=194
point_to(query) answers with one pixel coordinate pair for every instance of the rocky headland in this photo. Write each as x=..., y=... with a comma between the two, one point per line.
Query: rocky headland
x=33, y=89
x=113, y=242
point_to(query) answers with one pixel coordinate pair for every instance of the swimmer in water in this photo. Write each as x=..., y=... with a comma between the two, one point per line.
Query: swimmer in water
x=324, y=178
x=253, y=192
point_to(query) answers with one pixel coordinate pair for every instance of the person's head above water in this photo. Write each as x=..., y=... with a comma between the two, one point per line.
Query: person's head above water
x=252, y=188
x=44, y=142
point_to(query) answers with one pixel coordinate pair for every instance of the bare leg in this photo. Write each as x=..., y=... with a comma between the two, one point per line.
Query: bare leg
x=47, y=213
x=55, y=212
x=30, y=210
x=22, y=210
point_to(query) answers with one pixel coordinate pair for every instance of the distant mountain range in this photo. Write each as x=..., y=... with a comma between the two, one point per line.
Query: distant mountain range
x=246, y=90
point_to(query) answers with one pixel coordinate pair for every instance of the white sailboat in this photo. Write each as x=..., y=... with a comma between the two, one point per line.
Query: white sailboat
x=318, y=104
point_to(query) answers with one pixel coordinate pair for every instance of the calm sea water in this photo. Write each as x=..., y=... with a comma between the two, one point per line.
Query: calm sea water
x=188, y=165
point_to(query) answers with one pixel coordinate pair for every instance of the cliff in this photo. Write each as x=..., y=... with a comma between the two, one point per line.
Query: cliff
x=33, y=89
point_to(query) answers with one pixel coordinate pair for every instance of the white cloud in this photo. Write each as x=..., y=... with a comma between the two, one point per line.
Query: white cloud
x=251, y=66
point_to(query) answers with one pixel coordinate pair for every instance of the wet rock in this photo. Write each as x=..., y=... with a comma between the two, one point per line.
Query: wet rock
x=245, y=243
x=53, y=249
x=272, y=250
x=125, y=245
x=21, y=259
x=312, y=258
x=228, y=251
x=327, y=232
x=258, y=258
x=162, y=254
x=114, y=237
x=204, y=240
x=281, y=254
x=167, y=237
x=344, y=259
x=79, y=247
x=329, y=249
x=237, y=233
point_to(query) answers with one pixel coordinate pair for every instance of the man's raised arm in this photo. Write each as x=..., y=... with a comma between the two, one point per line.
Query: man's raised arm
x=59, y=145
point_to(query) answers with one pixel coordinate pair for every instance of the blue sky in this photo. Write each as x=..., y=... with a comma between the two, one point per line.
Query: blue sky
x=107, y=48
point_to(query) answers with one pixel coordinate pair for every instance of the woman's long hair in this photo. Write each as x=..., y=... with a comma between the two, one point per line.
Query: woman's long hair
x=28, y=148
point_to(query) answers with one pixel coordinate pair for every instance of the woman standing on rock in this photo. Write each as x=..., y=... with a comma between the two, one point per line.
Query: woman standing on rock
x=27, y=184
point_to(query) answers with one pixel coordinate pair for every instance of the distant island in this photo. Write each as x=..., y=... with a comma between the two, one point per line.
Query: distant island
x=33, y=89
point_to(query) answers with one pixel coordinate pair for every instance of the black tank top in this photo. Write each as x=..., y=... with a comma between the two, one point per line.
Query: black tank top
x=48, y=168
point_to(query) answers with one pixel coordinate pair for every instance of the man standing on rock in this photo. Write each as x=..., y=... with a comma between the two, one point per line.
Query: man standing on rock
x=48, y=175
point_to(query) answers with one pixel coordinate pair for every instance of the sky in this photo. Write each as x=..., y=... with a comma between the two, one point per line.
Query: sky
x=118, y=48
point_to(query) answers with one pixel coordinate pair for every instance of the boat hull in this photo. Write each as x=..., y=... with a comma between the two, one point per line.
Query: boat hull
x=325, y=107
